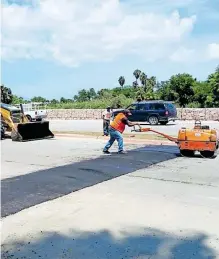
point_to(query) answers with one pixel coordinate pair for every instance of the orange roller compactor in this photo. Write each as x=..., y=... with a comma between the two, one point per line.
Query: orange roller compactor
x=199, y=138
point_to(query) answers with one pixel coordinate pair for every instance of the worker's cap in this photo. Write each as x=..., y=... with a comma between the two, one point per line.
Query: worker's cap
x=127, y=112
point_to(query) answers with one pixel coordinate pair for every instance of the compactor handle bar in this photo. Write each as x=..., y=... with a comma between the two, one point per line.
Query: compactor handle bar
x=157, y=132
x=137, y=130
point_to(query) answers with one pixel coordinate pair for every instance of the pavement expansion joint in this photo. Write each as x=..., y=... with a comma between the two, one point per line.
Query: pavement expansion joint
x=173, y=181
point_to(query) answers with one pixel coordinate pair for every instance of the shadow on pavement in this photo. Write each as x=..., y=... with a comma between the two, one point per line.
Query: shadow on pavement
x=144, y=243
x=27, y=190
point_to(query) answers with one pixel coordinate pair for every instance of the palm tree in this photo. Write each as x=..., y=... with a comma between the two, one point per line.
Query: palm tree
x=137, y=73
x=143, y=79
x=121, y=80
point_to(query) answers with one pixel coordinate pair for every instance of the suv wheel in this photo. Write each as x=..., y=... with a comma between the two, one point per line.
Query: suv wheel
x=153, y=120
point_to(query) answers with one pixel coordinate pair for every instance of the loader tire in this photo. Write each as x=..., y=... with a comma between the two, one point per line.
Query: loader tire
x=29, y=117
x=2, y=132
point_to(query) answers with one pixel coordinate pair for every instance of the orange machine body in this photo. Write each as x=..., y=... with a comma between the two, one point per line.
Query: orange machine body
x=197, y=139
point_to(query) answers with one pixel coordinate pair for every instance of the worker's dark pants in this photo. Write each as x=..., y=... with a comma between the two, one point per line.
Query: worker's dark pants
x=106, y=124
x=114, y=135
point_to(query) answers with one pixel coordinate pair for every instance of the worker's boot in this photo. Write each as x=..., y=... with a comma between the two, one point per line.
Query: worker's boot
x=106, y=152
x=122, y=152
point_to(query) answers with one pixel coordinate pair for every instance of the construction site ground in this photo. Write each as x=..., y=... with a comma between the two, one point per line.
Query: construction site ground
x=62, y=198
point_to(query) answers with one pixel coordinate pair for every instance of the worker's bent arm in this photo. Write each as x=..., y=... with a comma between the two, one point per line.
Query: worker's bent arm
x=130, y=124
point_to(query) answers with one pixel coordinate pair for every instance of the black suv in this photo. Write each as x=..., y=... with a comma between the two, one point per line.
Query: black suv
x=153, y=112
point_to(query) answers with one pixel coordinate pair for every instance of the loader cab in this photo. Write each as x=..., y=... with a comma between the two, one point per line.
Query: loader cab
x=10, y=111
x=10, y=108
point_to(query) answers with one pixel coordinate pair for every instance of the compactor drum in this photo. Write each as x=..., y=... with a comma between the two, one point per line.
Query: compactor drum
x=200, y=138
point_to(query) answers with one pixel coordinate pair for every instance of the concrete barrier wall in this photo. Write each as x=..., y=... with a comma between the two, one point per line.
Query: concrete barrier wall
x=95, y=114
x=202, y=114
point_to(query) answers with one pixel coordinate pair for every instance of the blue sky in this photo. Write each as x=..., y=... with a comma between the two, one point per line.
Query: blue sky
x=54, y=48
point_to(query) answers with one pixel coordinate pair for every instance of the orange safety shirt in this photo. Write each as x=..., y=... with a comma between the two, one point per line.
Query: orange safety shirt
x=118, y=123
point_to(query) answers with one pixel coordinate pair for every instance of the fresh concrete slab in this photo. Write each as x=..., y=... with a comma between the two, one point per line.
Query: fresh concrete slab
x=150, y=203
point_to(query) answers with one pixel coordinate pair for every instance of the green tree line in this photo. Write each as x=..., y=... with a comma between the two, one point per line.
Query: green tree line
x=183, y=89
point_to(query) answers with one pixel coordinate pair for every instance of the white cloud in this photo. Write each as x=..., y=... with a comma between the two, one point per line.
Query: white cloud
x=73, y=32
x=183, y=54
x=213, y=51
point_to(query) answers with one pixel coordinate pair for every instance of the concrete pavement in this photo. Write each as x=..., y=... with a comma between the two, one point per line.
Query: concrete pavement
x=96, y=126
x=59, y=167
x=71, y=202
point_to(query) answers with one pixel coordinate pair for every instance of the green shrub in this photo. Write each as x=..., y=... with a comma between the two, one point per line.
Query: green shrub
x=115, y=102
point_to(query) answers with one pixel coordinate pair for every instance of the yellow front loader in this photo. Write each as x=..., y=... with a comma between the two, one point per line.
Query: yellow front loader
x=15, y=122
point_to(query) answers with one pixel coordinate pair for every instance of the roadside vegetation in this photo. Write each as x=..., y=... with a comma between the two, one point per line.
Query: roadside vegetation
x=183, y=89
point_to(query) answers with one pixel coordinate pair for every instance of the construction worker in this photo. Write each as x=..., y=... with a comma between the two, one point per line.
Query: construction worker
x=116, y=128
x=106, y=121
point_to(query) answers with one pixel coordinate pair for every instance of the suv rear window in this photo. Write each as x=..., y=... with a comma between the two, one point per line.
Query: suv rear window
x=170, y=106
x=156, y=106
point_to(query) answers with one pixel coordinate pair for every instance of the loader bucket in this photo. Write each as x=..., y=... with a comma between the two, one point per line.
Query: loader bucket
x=32, y=131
